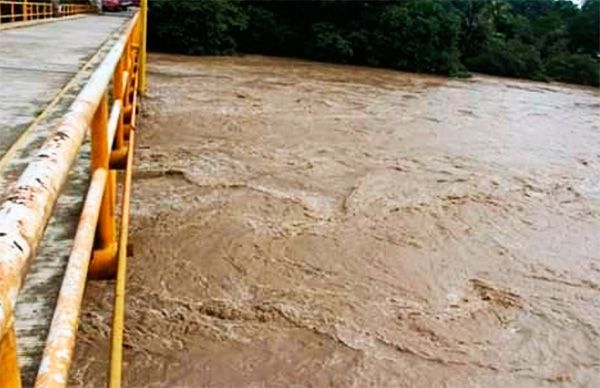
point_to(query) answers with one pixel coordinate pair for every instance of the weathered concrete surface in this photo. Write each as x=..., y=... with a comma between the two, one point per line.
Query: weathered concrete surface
x=37, y=61
x=42, y=69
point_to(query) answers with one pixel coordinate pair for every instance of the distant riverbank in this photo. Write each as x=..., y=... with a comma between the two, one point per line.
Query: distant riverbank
x=299, y=224
x=534, y=39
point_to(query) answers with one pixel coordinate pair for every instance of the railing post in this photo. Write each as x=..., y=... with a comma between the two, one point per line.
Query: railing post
x=142, y=52
x=55, y=8
x=129, y=90
x=119, y=151
x=118, y=94
x=103, y=263
x=10, y=375
x=25, y=9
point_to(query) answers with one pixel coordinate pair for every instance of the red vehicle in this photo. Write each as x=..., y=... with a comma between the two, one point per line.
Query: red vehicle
x=115, y=5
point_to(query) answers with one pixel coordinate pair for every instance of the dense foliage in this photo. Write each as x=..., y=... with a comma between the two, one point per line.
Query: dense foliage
x=539, y=39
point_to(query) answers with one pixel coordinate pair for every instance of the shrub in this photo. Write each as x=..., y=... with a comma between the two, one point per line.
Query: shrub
x=577, y=68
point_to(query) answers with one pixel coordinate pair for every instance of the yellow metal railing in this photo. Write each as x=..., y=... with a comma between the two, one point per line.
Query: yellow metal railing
x=97, y=251
x=73, y=9
x=25, y=10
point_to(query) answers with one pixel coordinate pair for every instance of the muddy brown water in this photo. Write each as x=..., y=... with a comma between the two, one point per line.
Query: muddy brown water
x=303, y=224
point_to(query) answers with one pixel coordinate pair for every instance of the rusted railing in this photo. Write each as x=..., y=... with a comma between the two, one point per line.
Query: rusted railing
x=25, y=10
x=96, y=250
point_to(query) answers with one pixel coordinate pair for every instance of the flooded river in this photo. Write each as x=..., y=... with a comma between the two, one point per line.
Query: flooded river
x=304, y=224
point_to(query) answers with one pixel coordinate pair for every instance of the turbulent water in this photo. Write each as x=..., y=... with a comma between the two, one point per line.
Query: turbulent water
x=302, y=224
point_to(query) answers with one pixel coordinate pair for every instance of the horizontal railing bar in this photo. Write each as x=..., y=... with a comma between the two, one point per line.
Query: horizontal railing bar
x=58, y=352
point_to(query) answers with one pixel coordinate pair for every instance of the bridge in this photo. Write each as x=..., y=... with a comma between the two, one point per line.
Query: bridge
x=69, y=83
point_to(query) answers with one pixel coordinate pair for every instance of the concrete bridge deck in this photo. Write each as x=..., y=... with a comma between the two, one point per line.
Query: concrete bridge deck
x=42, y=69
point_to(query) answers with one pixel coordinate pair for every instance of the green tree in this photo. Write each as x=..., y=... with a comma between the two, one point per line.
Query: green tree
x=539, y=39
x=326, y=42
x=195, y=27
x=584, y=28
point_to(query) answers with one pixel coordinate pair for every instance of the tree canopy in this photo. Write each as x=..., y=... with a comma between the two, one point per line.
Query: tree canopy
x=537, y=39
